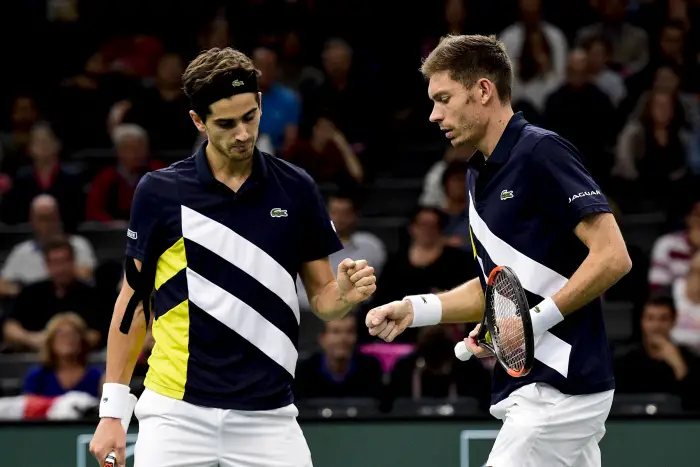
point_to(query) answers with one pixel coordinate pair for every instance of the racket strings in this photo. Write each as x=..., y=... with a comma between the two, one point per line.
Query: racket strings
x=510, y=336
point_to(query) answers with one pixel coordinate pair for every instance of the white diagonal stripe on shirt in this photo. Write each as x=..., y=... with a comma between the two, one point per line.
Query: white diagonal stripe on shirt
x=244, y=320
x=242, y=253
x=534, y=277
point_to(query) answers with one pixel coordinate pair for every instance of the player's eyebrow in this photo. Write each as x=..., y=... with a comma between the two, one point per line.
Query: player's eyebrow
x=439, y=95
x=233, y=119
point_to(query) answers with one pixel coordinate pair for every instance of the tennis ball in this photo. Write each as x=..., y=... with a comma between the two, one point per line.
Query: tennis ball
x=487, y=337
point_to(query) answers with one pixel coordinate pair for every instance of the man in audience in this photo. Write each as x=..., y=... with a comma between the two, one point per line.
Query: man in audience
x=594, y=115
x=433, y=194
x=63, y=291
x=111, y=192
x=427, y=265
x=26, y=265
x=356, y=244
x=630, y=44
x=282, y=109
x=337, y=370
x=46, y=174
x=657, y=364
x=670, y=256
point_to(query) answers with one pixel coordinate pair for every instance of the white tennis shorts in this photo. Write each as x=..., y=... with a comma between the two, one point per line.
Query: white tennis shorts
x=174, y=433
x=543, y=427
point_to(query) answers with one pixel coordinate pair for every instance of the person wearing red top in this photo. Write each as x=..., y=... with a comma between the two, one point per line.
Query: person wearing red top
x=112, y=190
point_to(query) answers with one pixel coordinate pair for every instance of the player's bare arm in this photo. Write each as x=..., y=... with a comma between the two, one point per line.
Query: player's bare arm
x=607, y=262
x=122, y=353
x=333, y=297
x=463, y=304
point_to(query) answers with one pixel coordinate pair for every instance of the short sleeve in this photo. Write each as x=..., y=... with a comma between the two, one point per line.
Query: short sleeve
x=12, y=267
x=84, y=253
x=568, y=187
x=318, y=236
x=144, y=218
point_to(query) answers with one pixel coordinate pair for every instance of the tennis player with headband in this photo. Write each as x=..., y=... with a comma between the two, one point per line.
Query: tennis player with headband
x=216, y=242
x=534, y=208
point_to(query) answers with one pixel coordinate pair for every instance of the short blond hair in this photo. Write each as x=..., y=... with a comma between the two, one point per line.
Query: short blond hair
x=46, y=355
x=468, y=58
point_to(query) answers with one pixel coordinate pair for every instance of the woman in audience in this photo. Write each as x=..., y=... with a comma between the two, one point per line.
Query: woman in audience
x=64, y=366
x=326, y=155
x=686, y=296
x=653, y=149
x=534, y=76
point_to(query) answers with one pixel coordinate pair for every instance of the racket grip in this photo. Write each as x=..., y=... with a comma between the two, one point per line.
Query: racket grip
x=461, y=351
x=111, y=459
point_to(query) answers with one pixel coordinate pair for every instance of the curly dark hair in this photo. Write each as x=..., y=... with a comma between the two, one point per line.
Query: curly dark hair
x=211, y=63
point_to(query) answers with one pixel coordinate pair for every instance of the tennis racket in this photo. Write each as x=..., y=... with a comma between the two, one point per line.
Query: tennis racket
x=111, y=459
x=506, y=328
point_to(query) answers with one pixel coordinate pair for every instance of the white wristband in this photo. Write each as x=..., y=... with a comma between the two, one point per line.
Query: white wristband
x=115, y=400
x=427, y=310
x=545, y=316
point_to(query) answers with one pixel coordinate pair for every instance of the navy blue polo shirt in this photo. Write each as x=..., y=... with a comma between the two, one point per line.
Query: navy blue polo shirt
x=225, y=301
x=524, y=202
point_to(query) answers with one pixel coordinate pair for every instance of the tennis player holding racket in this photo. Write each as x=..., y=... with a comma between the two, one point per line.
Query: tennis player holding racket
x=534, y=209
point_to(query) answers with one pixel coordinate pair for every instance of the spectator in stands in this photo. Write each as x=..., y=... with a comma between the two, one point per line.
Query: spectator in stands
x=343, y=93
x=653, y=150
x=427, y=265
x=454, y=183
x=337, y=370
x=64, y=367
x=538, y=51
x=46, y=174
x=356, y=244
x=672, y=52
x=163, y=110
x=630, y=44
x=432, y=372
x=686, y=297
x=36, y=304
x=112, y=190
x=657, y=364
x=534, y=77
x=282, y=109
x=13, y=144
x=26, y=264
x=594, y=115
x=83, y=101
x=599, y=51
x=433, y=194
x=515, y=36
x=671, y=253
x=294, y=71
x=326, y=155
x=666, y=80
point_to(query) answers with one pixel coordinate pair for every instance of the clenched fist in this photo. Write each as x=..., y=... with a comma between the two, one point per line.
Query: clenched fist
x=390, y=320
x=356, y=280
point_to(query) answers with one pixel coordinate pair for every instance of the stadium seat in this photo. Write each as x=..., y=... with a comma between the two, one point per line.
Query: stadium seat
x=646, y=404
x=337, y=408
x=428, y=407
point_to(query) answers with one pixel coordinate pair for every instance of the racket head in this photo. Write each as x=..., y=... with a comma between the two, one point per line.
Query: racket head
x=507, y=317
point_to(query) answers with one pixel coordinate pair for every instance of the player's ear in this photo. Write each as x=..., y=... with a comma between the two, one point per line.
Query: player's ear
x=259, y=99
x=486, y=90
x=197, y=121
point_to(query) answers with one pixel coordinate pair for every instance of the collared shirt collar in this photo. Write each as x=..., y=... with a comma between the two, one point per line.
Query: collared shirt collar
x=206, y=176
x=510, y=136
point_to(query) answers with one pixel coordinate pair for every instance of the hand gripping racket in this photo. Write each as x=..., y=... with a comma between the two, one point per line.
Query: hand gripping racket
x=506, y=328
x=111, y=459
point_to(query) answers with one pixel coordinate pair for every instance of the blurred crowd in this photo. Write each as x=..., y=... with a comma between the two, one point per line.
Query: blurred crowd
x=95, y=102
